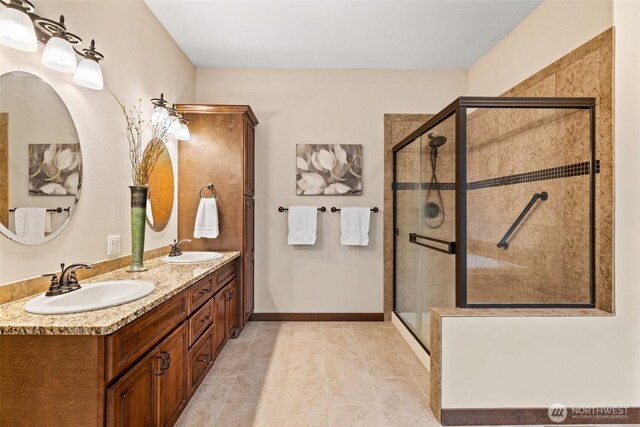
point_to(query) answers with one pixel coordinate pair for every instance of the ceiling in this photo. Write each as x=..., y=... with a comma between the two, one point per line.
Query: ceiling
x=392, y=34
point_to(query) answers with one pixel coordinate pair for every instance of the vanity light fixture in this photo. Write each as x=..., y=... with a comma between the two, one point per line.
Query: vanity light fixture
x=58, y=53
x=21, y=28
x=89, y=73
x=16, y=28
x=169, y=116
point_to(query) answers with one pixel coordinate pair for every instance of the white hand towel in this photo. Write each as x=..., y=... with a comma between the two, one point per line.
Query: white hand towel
x=30, y=224
x=303, y=224
x=47, y=222
x=207, y=220
x=355, y=226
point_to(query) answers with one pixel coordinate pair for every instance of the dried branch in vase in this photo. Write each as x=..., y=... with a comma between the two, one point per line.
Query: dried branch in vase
x=143, y=157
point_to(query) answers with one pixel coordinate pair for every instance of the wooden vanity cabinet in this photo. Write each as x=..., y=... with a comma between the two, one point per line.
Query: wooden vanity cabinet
x=173, y=392
x=143, y=374
x=154, y=391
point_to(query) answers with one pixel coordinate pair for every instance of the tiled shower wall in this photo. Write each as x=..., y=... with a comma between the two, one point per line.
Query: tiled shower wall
x=547, y=260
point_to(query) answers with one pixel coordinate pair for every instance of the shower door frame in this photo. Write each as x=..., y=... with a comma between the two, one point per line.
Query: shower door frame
x=459, y=107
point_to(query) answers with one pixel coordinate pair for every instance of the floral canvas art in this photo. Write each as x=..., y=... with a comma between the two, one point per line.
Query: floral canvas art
x=329, y=169
x=54, y=169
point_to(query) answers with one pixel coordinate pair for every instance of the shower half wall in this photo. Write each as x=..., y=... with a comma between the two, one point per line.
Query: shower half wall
x=500, y=213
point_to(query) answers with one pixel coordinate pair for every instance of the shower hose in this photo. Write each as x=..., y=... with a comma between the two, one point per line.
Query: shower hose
x=434, y=183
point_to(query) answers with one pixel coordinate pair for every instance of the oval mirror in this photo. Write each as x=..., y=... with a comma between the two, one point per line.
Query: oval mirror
x=40, y=160
x=160, y=195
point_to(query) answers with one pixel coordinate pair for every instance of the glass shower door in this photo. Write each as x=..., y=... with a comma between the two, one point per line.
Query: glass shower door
x=424, y=209
x=407, y=194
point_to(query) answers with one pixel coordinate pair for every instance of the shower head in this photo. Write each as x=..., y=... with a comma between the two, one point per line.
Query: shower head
x=436, y=141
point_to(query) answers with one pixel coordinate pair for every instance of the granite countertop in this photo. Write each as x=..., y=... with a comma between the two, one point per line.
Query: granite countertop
x=170, y=279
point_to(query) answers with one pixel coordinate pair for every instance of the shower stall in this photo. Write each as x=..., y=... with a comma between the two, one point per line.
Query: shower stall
x=494, y=207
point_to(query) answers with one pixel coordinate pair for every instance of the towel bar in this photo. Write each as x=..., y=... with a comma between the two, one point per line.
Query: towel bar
x=58, y=210
x=321, y=209
x=211, y=188
x=374, y=209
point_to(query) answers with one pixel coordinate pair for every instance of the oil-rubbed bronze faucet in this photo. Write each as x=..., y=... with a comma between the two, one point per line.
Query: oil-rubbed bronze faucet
x=175, y=248
x=68, y=281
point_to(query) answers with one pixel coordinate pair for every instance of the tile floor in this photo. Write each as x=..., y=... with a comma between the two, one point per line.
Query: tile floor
x=307, y=374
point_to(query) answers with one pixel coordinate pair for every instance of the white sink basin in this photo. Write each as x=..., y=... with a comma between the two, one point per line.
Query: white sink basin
x=192, y=257
x=92, y=296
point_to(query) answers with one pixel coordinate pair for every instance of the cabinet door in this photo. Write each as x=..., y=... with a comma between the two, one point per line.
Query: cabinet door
x=172, y=384
x=249, y=218
x=249, y=162
x=131, y=401
x=232, y=308
x=220, y=319
x=248, y=288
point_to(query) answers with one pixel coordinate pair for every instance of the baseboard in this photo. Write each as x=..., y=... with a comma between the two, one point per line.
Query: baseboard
x=319, y=317
x=540, y=416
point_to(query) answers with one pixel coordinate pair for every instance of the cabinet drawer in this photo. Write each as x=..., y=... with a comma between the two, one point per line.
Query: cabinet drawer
x=129, y=343
x=200, y=293
x=200, y=359
x=225, y=274
x=200, y=321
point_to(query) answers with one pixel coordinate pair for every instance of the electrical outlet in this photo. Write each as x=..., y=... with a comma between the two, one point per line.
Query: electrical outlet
x=113, y=245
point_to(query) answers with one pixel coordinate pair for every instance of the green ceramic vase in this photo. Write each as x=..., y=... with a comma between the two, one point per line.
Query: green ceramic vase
x=138, y=225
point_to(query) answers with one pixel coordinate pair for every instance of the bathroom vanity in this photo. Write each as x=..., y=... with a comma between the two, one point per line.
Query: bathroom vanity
x=135, y=364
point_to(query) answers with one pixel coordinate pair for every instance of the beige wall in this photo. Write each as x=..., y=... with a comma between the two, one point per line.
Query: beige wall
x=321, y=106
x=535, y=362
x=125, y=32
x=549, y=32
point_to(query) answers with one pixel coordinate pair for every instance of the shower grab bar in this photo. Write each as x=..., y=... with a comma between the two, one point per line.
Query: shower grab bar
x=451, y=246
x=504, y=244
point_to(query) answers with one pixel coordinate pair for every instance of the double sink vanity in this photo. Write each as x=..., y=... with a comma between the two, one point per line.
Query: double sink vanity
x=134, y=364
x=119, y=348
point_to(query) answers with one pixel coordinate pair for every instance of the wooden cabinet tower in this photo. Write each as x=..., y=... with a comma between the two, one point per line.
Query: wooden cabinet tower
x=221, y=152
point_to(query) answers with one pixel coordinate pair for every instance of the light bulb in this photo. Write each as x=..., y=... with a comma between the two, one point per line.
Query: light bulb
x=16, y=30
x=160, y=114
x=183, y=134
x=174, y=125
x=89, y=74
x=59, y=55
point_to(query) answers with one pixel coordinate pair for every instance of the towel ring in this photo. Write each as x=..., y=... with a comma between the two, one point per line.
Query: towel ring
x=211, y=188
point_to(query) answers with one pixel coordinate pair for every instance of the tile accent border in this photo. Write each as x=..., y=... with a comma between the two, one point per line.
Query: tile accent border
x=527, y=416
x=566, y=171
x=318, y=317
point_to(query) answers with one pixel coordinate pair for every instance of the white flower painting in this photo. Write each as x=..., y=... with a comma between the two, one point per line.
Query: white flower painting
x=332, y=169
x=54, y=169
